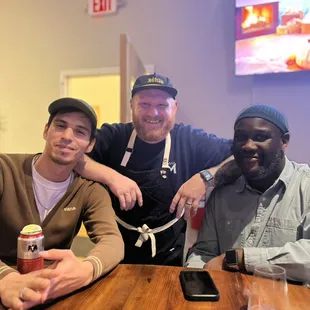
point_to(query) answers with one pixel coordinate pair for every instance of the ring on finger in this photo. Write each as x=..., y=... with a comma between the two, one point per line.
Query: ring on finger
x=21, y=294
x=189, y=203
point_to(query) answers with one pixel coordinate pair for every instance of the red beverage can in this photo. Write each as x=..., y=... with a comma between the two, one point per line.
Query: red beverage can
x=29, y=243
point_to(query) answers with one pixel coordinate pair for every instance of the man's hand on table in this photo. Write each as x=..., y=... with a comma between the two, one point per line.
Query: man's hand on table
x=188, y=197
x=215, y=263
x=72, y=273
x=25, y=291
x=219, y=262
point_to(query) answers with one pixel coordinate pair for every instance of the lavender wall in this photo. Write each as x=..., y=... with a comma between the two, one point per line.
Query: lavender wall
x=289, y=93
x=191, y=41
x=222, y=95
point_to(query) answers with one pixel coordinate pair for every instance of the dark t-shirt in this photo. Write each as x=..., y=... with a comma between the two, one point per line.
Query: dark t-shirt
x=192, y=150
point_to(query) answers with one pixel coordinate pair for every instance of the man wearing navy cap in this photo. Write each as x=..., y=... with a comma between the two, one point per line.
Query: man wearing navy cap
x=264, y=216
x=170, y=163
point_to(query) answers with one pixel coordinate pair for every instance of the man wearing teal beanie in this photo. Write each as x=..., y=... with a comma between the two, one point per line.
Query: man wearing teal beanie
x=263, y=216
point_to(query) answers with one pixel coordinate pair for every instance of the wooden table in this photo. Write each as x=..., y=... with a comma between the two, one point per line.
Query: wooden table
x=158, y=287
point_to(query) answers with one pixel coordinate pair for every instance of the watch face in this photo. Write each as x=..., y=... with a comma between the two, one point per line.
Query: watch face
x=206, y=175
x=231, y=257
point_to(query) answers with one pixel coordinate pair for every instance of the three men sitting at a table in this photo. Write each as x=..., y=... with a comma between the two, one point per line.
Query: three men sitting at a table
x=43, y=189
x=264, y=216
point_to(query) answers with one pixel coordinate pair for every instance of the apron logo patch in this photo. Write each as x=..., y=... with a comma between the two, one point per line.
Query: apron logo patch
x=173, y=167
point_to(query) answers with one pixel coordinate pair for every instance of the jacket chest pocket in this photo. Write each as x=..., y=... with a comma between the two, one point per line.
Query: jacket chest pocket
x=230, y=233
x=280, y=231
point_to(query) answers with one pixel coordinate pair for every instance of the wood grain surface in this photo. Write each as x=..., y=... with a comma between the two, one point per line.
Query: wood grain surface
x=158, y=287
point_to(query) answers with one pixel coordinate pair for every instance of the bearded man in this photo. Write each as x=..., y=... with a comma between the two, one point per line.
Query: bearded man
x=171, y=164
x=264, y=216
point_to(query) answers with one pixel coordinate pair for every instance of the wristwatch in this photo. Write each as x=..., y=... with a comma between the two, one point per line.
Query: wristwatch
x=207, y=177
x=231, y=260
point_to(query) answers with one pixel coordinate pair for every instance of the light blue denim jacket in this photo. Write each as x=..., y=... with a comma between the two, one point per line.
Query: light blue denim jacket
x=273, y=227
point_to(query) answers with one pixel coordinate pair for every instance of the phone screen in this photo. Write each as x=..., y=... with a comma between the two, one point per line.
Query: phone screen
x=198, y=285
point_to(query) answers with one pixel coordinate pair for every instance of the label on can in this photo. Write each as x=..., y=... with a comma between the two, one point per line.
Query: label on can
x=29, y=243
x=29, y=248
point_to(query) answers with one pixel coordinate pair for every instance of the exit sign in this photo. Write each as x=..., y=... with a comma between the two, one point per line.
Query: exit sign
x=101, y=7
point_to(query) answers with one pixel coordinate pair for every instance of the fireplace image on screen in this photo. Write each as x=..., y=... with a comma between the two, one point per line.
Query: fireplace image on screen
x=272, y=35
x=257, y=19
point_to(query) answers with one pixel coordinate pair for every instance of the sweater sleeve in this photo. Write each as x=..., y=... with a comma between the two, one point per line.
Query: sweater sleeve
x=102, y=229
x=4, y=269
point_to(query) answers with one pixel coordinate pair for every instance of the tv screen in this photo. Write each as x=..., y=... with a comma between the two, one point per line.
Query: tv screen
x=272, y=36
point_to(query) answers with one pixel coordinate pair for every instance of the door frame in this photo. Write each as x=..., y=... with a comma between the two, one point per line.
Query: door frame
x=66, y=74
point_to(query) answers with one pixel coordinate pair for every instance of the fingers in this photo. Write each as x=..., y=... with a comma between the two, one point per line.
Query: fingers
x=184, y=201
x=129, y=198
x=181, y=206
x=139, y=196
x=128, y=201
x=133, y=198
x=30, y=295
x=174, y=202
x=194, y=208
x=48, y=273
x=15, y=304
x=190, y=205
x=53, y=266
x=56, y=254
x=45, y=293
x=122, y=201
x=21, y=299
x=38, y=284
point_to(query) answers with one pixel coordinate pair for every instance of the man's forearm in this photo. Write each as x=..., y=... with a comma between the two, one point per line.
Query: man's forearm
x=293, y=256
x=92, y=170
x=213, y=170
x=88, y=272
x=227, y=173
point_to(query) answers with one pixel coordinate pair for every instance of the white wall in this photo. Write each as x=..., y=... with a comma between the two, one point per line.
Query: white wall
x=191, y=41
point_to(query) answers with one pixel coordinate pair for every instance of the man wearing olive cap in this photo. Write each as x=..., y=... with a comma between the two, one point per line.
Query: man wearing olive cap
x=43, y=189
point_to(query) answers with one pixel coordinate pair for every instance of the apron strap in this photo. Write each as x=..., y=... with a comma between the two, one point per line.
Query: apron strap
x=129, y=148
x=131, y=142
x=146, y=232
x=165, y=163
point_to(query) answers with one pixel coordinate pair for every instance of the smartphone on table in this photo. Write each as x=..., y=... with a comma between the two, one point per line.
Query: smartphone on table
x=197, y=285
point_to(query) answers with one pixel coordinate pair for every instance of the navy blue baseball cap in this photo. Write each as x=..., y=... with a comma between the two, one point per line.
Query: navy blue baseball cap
x=154, y=81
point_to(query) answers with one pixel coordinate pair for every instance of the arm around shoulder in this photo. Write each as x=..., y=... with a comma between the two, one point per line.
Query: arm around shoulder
x=117, y=183
x=92, y=170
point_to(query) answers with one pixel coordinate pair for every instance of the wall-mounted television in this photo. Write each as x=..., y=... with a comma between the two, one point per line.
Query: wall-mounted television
x=272, y=36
